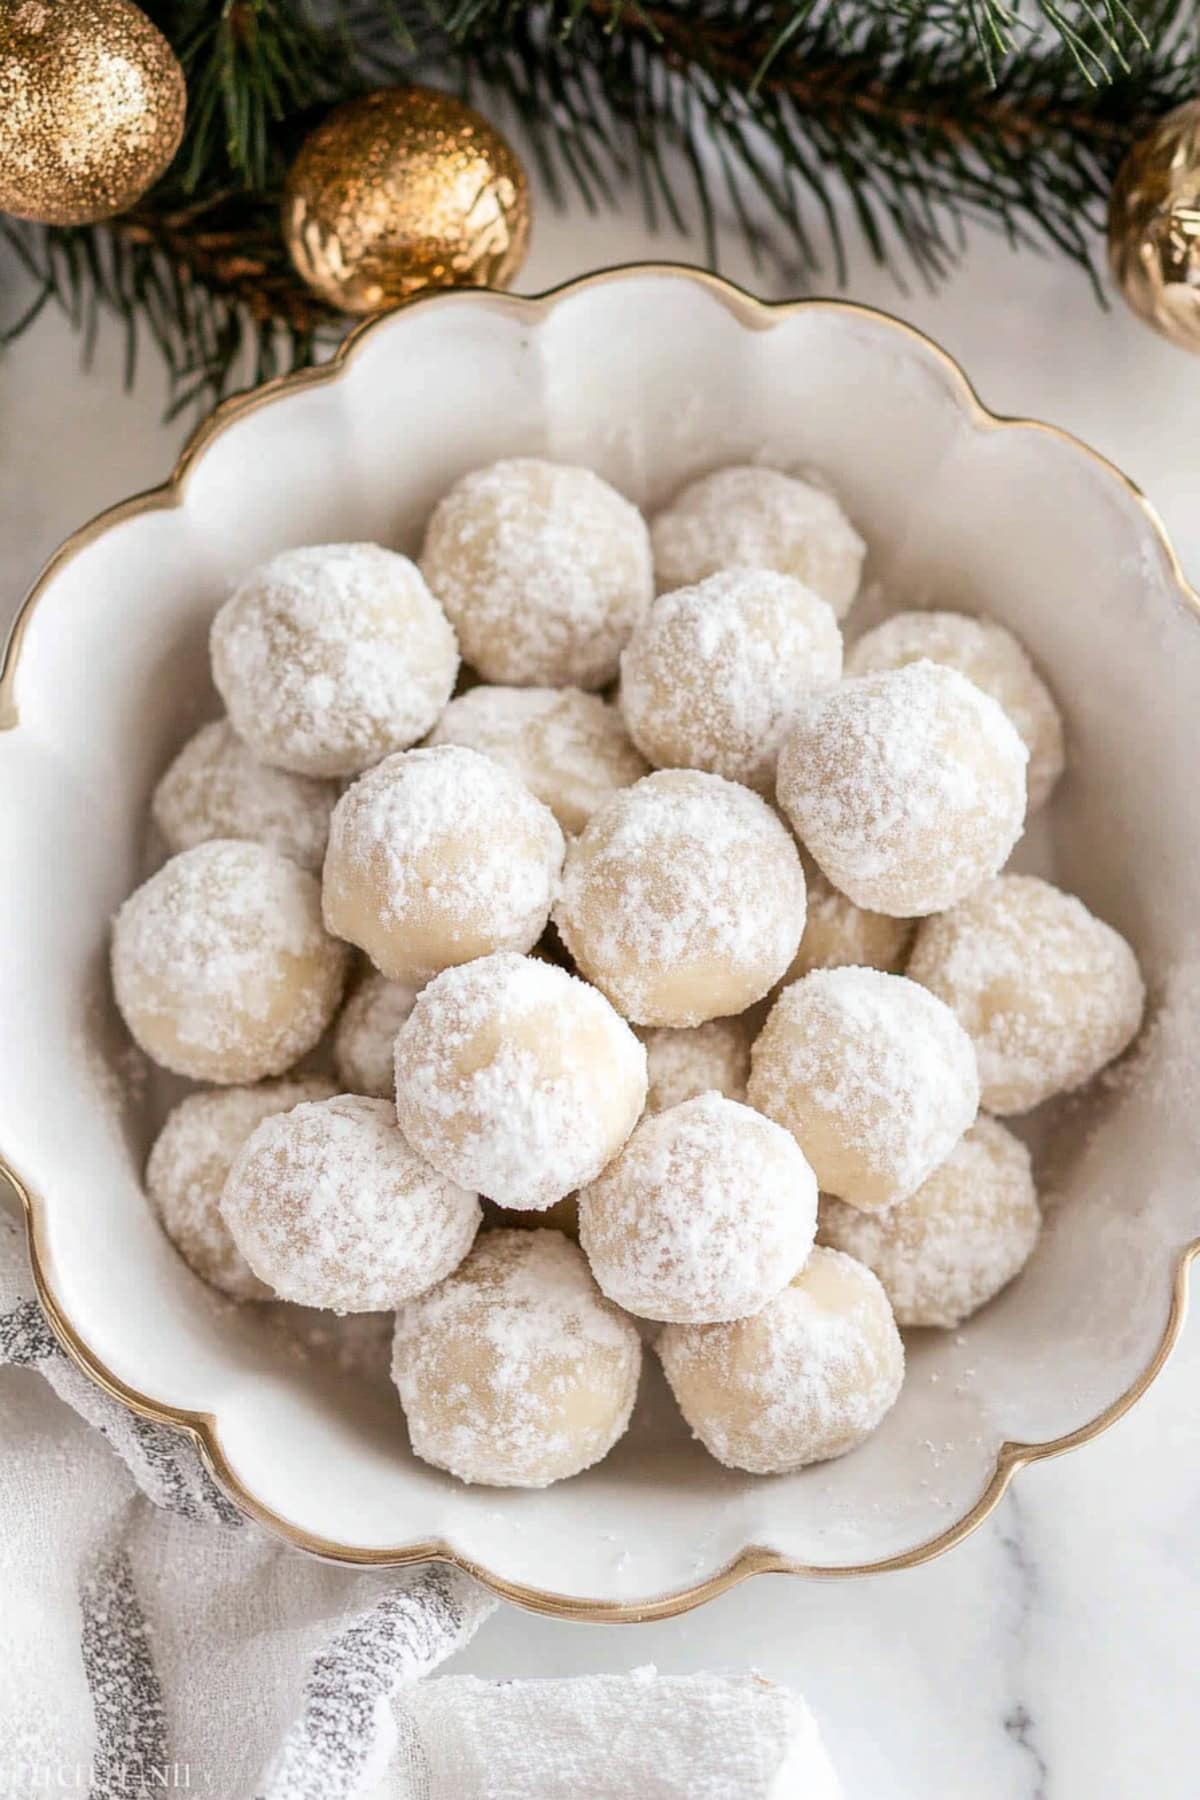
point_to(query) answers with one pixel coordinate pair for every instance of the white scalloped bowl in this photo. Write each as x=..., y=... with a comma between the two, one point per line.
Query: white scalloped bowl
x=649, y=375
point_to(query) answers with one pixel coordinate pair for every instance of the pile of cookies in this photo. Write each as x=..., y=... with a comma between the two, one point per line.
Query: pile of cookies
x=670, y=929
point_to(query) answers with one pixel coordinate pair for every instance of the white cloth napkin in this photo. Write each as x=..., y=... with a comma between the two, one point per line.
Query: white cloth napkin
x=152, y=1640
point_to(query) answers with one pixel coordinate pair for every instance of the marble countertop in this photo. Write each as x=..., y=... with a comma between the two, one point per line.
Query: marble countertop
x=1052, y=1656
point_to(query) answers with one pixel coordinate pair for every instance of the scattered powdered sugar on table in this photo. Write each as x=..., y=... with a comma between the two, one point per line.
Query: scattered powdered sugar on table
x=217, y=788
x=364, y=1043
x=707, y=1212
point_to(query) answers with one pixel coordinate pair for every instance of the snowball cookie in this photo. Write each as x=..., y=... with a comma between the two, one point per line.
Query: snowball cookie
x=907, y=787
x=715, y=675
x=544, y=570
x=364, y=1042
x=946, y=1250
x=683, y=900
x=706, y=1214
x=217, y=788
x=437, y=856
x=1048, y=993
x=840, y=935
x=220, y=966
x=516, y=1371
x=329, y=657
x=570, y=749
x=517, y=1079
x=875, y=1084
x=989, y=655
x=682, y=1064
x=331, y=1207
x=747, y=517
x=807, y=1378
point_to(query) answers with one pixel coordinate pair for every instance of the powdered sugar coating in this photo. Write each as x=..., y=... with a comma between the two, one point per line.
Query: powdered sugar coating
x=331, y=656
x=950, y=1247
x=874, y=1082
x=544, y=570
x=364, y=1043
x=705, y=1215
x=988, y=654
x=907, y=787
x=217, y=788
x=840, y=935
x=437, y=856
x=331, y=1207
x=220, y=965
x=683, y=1063
x=1047, y=992
x=748, y=517
x=570, y=749
x=683, y=900
x=188, y=1165
x=516, y=1371
x=517, y=1079
x=807, y=1378
x=714, y=676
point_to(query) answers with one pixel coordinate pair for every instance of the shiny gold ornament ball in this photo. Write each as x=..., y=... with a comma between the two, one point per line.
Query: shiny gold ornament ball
x=404, y=189
x=92, y=104
x=1154, y=227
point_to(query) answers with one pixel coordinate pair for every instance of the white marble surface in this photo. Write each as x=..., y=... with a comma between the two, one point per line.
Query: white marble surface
x=1053, y=1655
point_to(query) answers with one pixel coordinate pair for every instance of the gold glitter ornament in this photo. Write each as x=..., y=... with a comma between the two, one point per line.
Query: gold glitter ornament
x=404, y=189
x=92, y=105
x=1154, y=227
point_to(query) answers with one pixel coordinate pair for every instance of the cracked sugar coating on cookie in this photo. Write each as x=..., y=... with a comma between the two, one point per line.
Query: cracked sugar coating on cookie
x=217, y=788
x=840, y=935
x=570, y=749
x=683, y=900
x=517, y=1079
x=876, y=1084
x=332, y=656
x=714, y=676
x=707, y=1212
x=332, y=1207
x=364, y=1043
x=988, y=654
x=807, y=1378
x=1047, y=992
x=221, y=967
x=516, y=1371
x=438, y=856
x=907, y=787
x=682, y=1063
x=950, y=1247
x=747, y=517
x=190, y=1160
x=544, y=570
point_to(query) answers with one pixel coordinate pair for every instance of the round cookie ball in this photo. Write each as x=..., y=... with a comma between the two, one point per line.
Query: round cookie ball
x=807, y=1378
x=946, y=1250
x=331, y=1207
x=840, y=935
x=989, y=655
x=364, y=1043
x=217, y=788
x=705, y=1215
x=907, y=788
x=330, y=657
x=517, y=1079
x=438, y=856
x=683, y=900
x=220, y=966
x=188, y=1164
x=715, y=675
x=681, y=1064
x=1047, y=992
x=875, y=1084
x=544, y=570
x=516, y=1371
x=570, y=749
x=746, y=517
